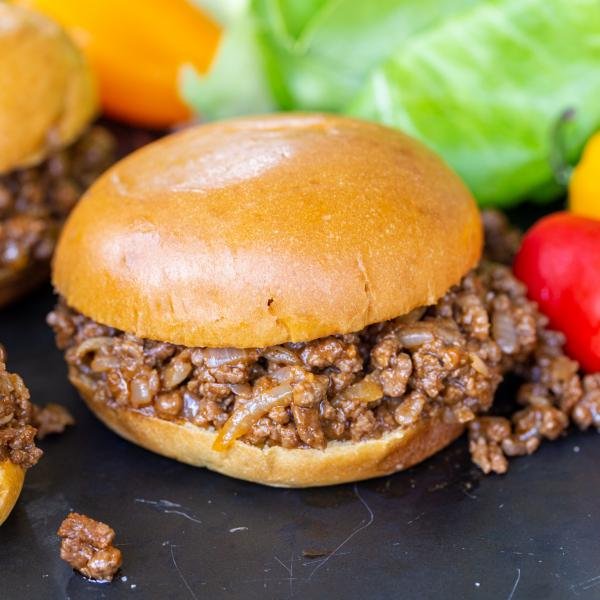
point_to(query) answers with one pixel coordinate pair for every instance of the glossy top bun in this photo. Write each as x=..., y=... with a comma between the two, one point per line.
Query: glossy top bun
x=47, y=93
x=259, y=231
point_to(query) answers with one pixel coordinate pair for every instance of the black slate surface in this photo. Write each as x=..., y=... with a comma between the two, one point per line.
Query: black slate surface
x=440, y=530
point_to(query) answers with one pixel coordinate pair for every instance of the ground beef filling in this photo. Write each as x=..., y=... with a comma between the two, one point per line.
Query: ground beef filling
x=34, y=202
x=17, y=435
x=87, y=545
x=445, y=361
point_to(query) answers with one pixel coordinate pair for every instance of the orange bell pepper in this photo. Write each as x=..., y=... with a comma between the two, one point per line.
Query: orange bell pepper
x=136, y=49
x=584, y=187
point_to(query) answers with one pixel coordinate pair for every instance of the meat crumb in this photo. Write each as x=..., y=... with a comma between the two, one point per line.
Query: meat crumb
x=485, y=439
x=51, y=419
x=87, y=546
x=315, y=553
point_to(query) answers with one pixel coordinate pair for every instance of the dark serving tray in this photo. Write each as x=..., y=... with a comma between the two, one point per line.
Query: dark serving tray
x=439, y=530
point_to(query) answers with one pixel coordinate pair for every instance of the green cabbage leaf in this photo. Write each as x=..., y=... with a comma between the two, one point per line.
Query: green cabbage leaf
x=482, y=82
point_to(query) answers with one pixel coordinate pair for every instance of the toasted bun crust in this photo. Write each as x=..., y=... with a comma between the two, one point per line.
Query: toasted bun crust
x=11, y=484
x=340, y=462
x=15, y=285
x=259, y=231
x=47, y=94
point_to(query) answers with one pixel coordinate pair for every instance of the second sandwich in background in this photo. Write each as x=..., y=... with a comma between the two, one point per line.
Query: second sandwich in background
x=49, y=154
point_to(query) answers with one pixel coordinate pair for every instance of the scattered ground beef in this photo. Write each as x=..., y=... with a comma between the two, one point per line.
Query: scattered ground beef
x=502, y=240
x=553, y=395
x=51, y=419
x=586, y=411
x=35, y=201
x=87, y=546
x=17, y=435
x=485, y=438
x=446, y=360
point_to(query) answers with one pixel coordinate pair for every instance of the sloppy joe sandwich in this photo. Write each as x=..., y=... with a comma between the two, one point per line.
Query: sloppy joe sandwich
x=48, y=152
x=296, y=300
x=18, y=451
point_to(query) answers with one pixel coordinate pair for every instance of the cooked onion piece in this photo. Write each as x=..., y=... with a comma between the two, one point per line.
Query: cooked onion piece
x=242, y=419
x=364, y=391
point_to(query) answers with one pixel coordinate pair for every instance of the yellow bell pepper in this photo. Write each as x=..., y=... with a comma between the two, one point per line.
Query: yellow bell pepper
x=136, y=49
x=584, y=186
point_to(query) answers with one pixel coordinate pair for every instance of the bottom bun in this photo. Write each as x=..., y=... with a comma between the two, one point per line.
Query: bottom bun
x=11, y=484
x=15, y=285
x=340, y=462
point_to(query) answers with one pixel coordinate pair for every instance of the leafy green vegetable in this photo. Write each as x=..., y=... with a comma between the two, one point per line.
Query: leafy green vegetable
x=481, y=81
x=486, y=88
x=236, y=83
x=319, y=60
x=310, y=54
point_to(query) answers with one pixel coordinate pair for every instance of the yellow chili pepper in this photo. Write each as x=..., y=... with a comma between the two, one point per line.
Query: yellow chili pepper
x=136, y=49
x=584, y=186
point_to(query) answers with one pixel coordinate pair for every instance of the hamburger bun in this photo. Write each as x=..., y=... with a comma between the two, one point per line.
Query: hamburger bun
x=260, y=231
x=11, y=484
x=47, y=92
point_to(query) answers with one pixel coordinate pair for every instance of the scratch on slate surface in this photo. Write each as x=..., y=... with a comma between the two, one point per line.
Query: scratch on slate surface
x=166, y=506
x=290, y=571
x=363, y=525
x=187, y=585
x=415, y=519
x=468, y=494
x=515, y=585
x=586, y=584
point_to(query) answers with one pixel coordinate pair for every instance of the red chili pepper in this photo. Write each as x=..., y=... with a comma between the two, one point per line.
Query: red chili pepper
x=559, y=262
